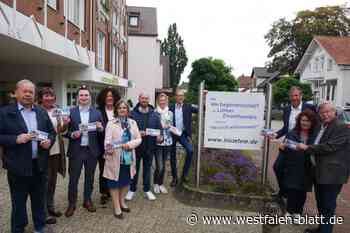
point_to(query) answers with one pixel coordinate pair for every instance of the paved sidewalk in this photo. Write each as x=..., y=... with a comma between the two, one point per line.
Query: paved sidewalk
x=166, y=214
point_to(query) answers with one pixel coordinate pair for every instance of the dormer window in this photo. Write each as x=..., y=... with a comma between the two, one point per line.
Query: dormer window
x=134, y=20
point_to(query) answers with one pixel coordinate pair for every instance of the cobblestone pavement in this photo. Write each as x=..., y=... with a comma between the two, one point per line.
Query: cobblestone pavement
x=165, y=215
x=343, y=202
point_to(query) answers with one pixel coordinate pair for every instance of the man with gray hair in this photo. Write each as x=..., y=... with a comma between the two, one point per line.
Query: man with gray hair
x=330, y=158
x=27, y=134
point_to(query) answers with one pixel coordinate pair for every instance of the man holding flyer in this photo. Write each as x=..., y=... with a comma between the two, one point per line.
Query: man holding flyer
x=83, y=149
x=149, y=124
x=26, y=134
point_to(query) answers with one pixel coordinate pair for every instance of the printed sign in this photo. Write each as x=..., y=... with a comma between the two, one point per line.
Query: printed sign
x=234, y=120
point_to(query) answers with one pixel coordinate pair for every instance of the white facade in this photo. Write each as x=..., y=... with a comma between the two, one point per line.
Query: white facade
x=144, y=68
x=329, y=80
x=31, y=50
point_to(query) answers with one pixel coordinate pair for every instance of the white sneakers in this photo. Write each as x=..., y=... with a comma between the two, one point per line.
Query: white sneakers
x=129, y=196
x=156, y=188
x=162, y=189
x=150, y=196
x=159, y=189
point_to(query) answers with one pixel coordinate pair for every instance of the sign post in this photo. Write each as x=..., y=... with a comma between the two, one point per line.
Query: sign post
x=200, y=130
x=266, y=150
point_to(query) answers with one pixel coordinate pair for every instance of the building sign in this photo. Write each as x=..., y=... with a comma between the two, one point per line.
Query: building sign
x=234, y=120
x=111, y=81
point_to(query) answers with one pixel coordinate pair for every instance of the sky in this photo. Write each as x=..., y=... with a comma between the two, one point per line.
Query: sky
x=227, y=29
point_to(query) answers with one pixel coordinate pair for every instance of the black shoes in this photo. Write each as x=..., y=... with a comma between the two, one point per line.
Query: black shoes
x=126, y=210
x=173, y=183
x=54, y=213
x=314, y=230
x=119, y=216
x=104, y=199
x=51, y=220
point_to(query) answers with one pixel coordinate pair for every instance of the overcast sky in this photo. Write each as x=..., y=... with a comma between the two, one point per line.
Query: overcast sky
x=227, y=29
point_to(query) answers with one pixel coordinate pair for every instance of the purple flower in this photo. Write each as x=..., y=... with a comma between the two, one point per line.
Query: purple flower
x=221, y=177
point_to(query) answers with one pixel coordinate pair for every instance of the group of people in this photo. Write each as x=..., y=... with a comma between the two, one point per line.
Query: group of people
x=32, y=133
x=314, y=153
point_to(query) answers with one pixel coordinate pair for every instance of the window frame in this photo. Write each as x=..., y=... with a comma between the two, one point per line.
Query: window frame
x=101, y=51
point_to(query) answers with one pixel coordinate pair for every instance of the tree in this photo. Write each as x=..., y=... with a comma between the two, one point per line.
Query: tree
x=216, y=74
x=288, y=40
x=281, y=88
x=173, y=46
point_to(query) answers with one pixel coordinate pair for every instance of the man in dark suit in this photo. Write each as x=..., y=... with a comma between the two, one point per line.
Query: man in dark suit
x=289, y=119
x=330, y=157
x=25, y=156
x=183, y=122
x=83, y=149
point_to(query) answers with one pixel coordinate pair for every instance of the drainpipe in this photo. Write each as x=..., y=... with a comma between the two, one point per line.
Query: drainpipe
x=14, y=14
x=45, y=13
x=92, y=16
x=66, y=19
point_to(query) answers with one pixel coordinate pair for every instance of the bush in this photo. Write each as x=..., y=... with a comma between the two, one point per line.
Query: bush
x=229, y=172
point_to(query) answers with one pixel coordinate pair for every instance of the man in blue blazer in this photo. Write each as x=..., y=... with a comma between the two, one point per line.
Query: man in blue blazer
x=289, y=120
x=25, y=156
x=183, y=122
x=83, y=149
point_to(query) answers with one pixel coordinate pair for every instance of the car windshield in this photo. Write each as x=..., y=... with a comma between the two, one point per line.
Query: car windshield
x=346, y=116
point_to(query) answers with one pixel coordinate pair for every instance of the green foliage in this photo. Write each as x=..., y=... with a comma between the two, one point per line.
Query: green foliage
x=217, y=76
x=282, y=86
x=288, y=40
x=173, y=46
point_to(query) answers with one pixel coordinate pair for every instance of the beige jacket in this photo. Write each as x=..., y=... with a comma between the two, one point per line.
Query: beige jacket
x=114, y=133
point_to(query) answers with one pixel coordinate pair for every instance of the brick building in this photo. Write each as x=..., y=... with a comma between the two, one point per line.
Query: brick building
x=63, y=43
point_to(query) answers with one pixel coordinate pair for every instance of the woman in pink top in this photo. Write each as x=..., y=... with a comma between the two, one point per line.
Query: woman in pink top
x=122, y=137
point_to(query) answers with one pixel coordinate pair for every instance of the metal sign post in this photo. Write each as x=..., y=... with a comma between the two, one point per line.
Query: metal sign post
x=200, y=130
x=266, y=150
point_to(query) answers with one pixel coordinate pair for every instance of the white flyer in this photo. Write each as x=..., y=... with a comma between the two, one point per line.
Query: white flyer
x=90, y=127
x=152, y=132
x=39, y=135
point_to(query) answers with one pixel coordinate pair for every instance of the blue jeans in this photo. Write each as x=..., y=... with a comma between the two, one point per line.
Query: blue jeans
x=326, y=197
x=147, y=157
x=161, y=157
x=20, y=188
x=184, y=141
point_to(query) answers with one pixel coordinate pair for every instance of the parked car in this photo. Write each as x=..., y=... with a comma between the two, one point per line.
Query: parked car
x=343, y=114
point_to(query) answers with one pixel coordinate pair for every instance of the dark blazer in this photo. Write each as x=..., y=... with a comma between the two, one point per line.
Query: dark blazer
x=94, y=143
x=286, y=114
x=187, y=110
x=332, y=154
x=297, y=168
x=18, y=157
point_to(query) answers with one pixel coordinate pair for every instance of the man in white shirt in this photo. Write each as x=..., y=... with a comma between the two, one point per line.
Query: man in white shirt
x=83, y=150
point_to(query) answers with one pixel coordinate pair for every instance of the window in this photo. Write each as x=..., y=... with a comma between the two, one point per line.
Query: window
x=133, y=21
x=115, y=21
x=321, y=63
x=316, y=65
x=101, y=51
x=114, y=70
x=330, y=65
x=52, y=4
x=76, y=12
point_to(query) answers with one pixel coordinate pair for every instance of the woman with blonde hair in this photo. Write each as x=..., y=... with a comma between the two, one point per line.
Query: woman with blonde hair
x=164, y=147
x=122, y=137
